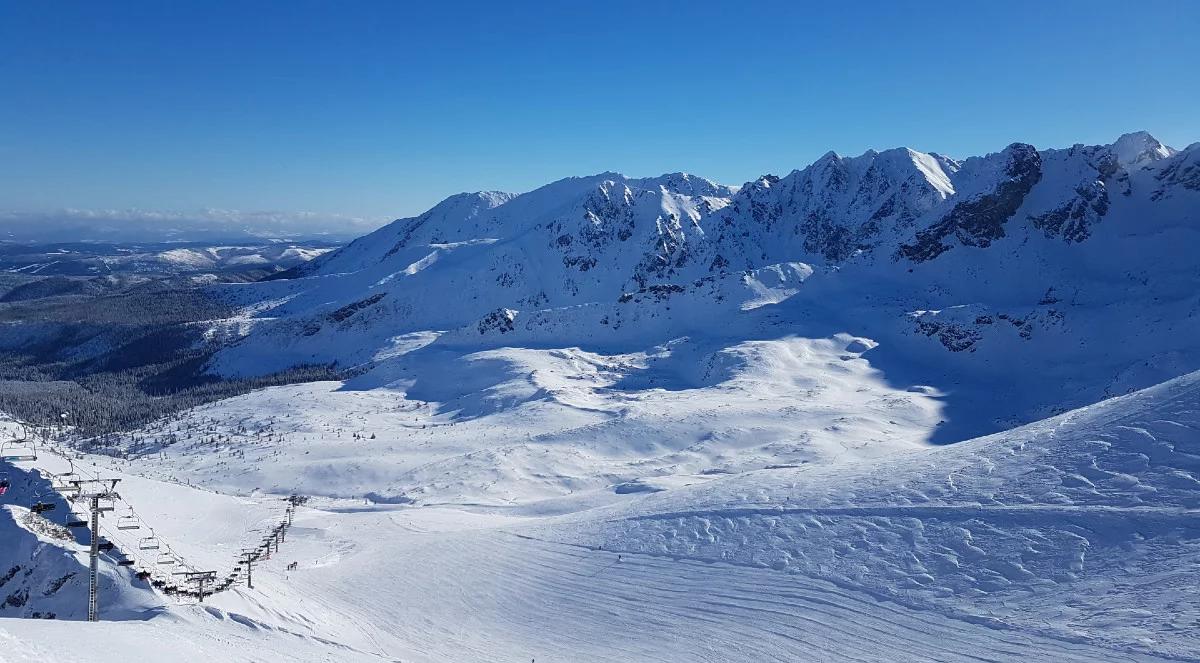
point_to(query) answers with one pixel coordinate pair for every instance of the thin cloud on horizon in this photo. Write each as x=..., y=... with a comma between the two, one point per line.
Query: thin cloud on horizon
x=73, y=224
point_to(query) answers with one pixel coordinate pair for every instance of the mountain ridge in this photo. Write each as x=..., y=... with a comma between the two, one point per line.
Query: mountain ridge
x=1021, y=255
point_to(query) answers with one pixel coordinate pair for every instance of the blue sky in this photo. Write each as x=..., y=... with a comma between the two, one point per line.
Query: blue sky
x=381, y=109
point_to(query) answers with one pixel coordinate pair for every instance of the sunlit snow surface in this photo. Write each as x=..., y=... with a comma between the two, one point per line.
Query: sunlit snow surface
x=659, y=419
x=1075, y=538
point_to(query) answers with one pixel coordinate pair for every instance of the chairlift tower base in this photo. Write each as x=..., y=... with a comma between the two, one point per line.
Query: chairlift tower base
x=248, y=559
x=94, y=562
x=93, y=499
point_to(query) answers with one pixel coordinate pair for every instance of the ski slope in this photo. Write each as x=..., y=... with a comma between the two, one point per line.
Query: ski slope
x=1075, y=538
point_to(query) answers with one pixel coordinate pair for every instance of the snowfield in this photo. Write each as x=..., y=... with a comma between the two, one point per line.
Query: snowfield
x=1075, y=538
x=512, y=425
x=894, y=407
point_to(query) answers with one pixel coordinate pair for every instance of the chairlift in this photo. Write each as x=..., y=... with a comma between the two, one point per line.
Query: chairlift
x=125, y=562
x=148, y=543
x=18, y=451
x=69, y=490
x=40, y=506
x=65, y=482
x=166, y=560
x=105, y=546
x=128, y=522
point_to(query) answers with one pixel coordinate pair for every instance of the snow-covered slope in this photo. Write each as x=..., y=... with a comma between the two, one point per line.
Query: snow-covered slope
x=1083, y=526
x=1071, y=539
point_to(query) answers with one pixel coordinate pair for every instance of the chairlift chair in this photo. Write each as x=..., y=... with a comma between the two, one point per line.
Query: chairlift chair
x=166, y=560
x=18, y=451
x=125, y=562
x=128, y=522
x=65, y=482
x=148, y=543
x=105, y=546
x=40, y=506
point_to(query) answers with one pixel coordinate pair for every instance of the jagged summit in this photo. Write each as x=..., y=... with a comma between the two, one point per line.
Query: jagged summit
x=1140, y=148
x=685, y=183
x=899, y=204
x=607, y=257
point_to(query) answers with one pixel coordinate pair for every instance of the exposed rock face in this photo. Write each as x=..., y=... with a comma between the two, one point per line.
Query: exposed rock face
x=609, y=253
x=501, y=320
x=1098, y=169
x=1180, y=173
x=1073, y=220
x=980, y=221
x=838, y=206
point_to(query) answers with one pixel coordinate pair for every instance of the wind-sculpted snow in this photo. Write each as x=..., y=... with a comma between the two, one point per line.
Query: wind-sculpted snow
x=1082, y=527
x=1072, y=539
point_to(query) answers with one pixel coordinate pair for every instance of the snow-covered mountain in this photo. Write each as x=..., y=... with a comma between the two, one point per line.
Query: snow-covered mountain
x=1064, y=263
x=162, y=260
x=705, y=419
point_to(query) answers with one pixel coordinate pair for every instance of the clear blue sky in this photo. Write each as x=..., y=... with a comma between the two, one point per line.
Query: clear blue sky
x=381, y=109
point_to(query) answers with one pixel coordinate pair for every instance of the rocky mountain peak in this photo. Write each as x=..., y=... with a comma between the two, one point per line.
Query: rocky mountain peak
x=1137, y=149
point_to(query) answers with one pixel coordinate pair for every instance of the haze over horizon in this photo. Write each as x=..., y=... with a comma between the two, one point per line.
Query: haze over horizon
x=184, y=108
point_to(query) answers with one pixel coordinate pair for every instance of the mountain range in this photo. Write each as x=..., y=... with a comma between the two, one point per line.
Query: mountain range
x=1025, y=281
x=878, y=408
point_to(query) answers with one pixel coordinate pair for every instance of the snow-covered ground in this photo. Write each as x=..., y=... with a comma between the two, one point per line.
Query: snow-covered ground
x=514, y=425
x=1075, y=538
